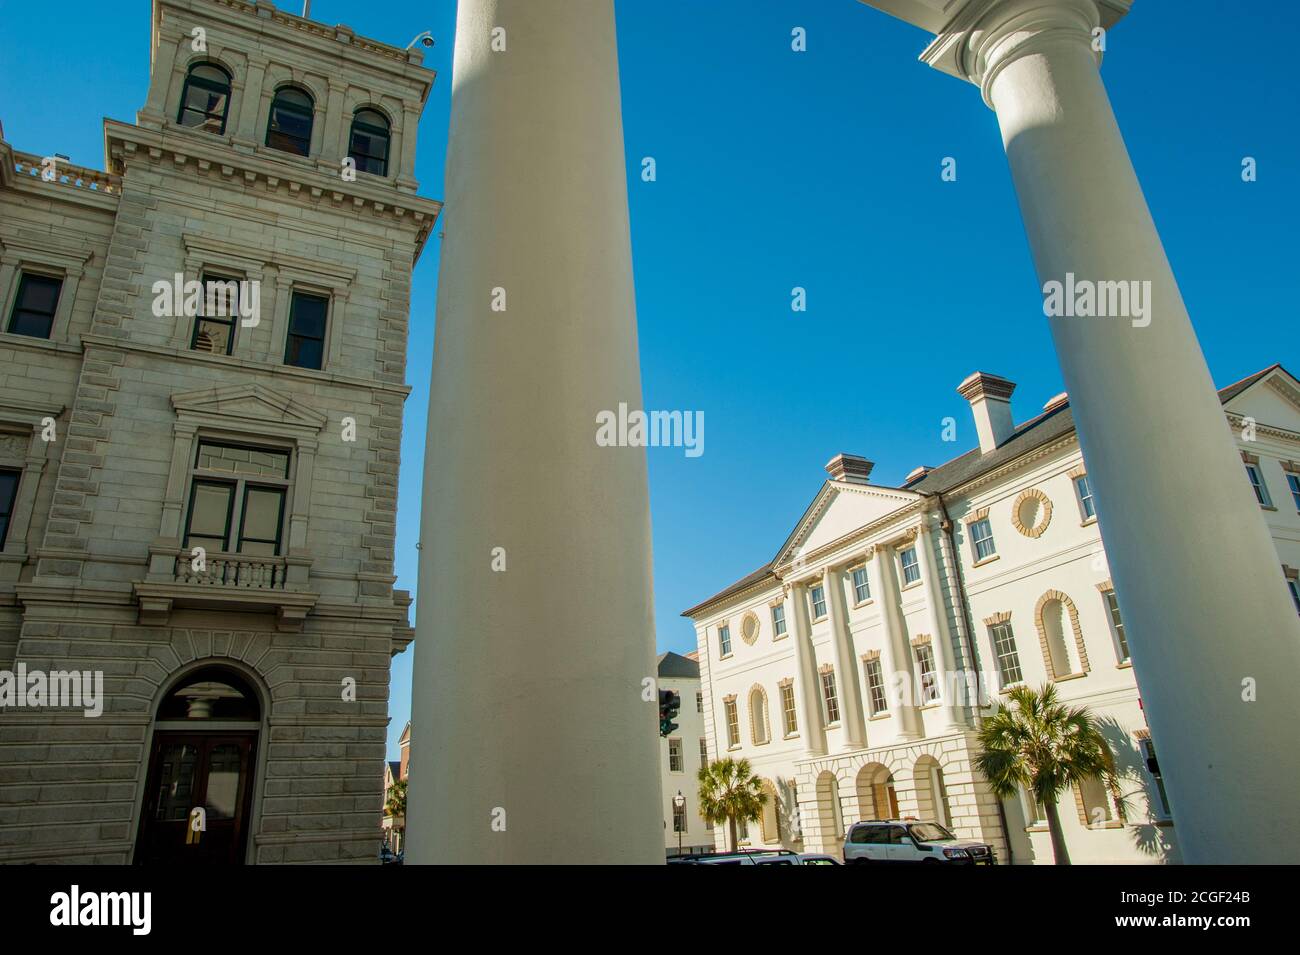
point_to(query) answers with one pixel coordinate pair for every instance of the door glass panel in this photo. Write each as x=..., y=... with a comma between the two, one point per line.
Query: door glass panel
x=175, y=782
x=261, y=530
x=223, y=781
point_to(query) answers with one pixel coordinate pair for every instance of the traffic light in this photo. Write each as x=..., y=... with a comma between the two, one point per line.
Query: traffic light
x=669, y=703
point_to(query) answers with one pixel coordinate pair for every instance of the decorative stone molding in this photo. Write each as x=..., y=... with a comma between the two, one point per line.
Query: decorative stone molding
x=1291, y=467
x=826, y=668
x=783, y=683
x=1076, y=472
x=1291, y=573
x=1105, y=586
x=729, y=698
x=1001, y=617
x=1142, y=734
x=979, y=515
x=1073, y=613
x=1250, y=458
x=921, y=640
x=1044, y=518
x=750, y=628
x=870, y=655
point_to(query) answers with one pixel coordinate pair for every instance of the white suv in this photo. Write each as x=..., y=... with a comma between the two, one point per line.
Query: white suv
x=905, y=840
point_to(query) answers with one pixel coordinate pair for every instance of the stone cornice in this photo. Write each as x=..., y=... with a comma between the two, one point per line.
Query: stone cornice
x=305, y=183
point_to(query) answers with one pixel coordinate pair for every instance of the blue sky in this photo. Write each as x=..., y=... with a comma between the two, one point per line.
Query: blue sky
x=818, y=169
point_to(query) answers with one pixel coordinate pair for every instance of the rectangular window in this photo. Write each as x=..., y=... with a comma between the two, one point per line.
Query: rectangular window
x=679, y=817
x=238, y=495
x=1084, y=490
x=305, y=347
x=214, y=327
x=929, y=679
x=1153, y=769
x=778, y=619
x=1292, y=584
x=733, y=724
x=1293, y=482
x=35, y=305
x=724, y=641
x=819, y=602
x=8, y=495
x=1257, y=485
x=676, y=758
x=704, y=752
x=876, y=698
x=981, y=535
x=911, y=569
x=1116, y=625
x=789, y=717
x=861, y=586
x=1004, y=647
x=699, y=702
x=828, y=694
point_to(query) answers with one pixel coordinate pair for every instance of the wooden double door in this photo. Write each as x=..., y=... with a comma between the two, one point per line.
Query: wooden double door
x=198, y=798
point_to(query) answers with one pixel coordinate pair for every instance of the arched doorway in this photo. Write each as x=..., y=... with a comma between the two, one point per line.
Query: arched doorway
x=770, y=818
x=199, y=788
x=876, y=796
x=830, y=813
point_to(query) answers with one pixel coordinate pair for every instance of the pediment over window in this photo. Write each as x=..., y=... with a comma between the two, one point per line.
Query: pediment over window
x=251, y=407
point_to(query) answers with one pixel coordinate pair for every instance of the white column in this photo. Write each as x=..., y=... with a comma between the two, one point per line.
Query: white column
x=940, y=636
x=1199, y=583
x=894, y=652
x=855, y=726
x=533, y=741
x=807, y=686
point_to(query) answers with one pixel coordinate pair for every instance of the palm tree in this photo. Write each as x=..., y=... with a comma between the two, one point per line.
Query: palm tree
x=396, y=804
x=1046, y=747
x=730, y=791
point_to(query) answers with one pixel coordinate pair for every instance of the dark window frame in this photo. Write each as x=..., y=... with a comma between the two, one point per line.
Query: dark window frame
x=195, y=483
x=288, y=142
x=7, y=507
x=19, y=311
x=291, y=336
x=239, y=486
x=364, y=160
x=210, y=86
x=204, y=279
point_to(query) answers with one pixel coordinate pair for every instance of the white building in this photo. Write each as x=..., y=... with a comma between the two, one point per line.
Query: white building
x=681, y=755
x=992, y=562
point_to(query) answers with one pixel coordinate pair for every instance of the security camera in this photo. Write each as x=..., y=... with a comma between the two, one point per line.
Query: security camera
x=425, y=39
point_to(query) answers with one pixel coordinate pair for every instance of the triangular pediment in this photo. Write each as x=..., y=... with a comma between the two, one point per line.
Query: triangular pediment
x=839, y=509
x=248, y=404
x=1273, y=400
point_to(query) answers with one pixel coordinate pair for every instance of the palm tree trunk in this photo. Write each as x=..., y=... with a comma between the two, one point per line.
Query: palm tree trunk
x=731, y=824
x=1060, y=854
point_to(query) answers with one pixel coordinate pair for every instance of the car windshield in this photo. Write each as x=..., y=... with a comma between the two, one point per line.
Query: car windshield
x=930, y=832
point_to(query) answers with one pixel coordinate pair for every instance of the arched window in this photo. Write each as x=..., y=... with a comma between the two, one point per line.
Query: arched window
x=205, y=98
x=368, y=144
x=213, y=693
x=758, y=716
x=289, y=126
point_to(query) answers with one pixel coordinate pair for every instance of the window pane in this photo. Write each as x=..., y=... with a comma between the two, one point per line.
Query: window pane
x=304, y=352
x=308, y=318
x=213, y=337
x=210, y=511
x=261, y=522
x=35, y=305
x=253, y=462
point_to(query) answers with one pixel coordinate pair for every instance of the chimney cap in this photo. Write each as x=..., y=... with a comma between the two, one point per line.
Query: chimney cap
x=917, y=472
x=849, y=467
x=1056, y=401
x=983, y=385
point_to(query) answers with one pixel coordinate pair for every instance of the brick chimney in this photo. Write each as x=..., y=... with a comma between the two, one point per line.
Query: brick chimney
x=849, y=467
x=990, y=403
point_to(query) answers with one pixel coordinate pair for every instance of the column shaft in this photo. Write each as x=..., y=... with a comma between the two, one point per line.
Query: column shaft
x=807, y=687
x=895, y=652
x=533, y=739
x=1206, y=612
x=855, y=728
x=940, y=637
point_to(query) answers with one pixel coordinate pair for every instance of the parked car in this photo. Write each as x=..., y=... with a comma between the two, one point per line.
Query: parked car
x=740, y=857
x=906, y=840
x=817, y=858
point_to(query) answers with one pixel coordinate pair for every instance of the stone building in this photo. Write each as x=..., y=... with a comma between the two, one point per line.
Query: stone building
x=992, y=564
x=202, y=364
x=681, y=754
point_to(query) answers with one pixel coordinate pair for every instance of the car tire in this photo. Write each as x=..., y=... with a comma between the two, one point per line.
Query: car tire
x=861, y=860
